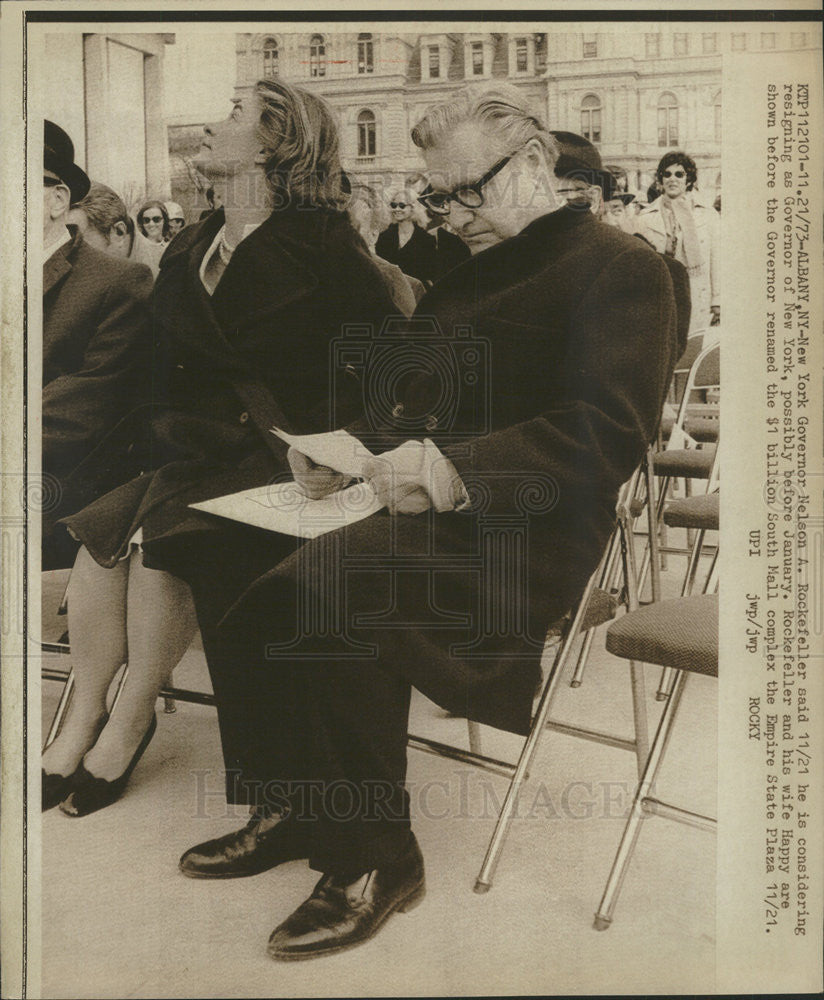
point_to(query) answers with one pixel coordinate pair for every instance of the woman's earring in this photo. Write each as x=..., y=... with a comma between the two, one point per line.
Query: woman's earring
x=261, y=157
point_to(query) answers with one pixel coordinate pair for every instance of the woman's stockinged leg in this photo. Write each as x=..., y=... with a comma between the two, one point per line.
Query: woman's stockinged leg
x=160, y=624
x=97, y=631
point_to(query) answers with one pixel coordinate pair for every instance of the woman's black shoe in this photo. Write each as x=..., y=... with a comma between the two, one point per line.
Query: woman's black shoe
x=90, y=794
x=265, y=842
x=342, y=913
x=55, y=788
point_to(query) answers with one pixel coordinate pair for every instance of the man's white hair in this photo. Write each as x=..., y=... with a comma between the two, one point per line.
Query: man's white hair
x=499, y=109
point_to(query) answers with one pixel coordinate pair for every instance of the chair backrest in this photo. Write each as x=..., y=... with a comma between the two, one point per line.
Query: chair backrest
x=703, y=374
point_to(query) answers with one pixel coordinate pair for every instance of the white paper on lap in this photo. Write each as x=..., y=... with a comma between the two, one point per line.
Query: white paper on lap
x=339, y=449
x=282, y=507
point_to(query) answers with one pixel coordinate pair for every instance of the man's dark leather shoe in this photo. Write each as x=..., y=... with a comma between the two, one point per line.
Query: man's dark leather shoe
x=265, y=842
x=339, y=915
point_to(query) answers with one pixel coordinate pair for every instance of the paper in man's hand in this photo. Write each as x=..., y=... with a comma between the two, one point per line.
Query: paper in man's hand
x=339, y=450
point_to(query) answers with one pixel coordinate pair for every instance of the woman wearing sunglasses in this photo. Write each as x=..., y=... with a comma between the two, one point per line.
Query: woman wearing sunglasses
x=404, y=242
x=247, y=307
x=682, y=224
x=152, y=236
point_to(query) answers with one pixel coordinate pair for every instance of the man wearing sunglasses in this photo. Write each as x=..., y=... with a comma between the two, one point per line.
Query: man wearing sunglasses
x=682, y=224
x=95, y=339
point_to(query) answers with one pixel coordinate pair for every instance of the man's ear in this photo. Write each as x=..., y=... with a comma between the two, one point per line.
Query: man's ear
x=261, y=157
x=59, y=200
x=118, y=234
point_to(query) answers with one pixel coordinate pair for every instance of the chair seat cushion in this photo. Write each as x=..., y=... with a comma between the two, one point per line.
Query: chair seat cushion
x=681, y=633
x=703, y=428
x=687, y=463
x=694, y=512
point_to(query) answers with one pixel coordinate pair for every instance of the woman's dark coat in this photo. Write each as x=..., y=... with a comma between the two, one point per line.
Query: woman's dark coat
x=562, y=343
x=258, y=353
x=416, y=257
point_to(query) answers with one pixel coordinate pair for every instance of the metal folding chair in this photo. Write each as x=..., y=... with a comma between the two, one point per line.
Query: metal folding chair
x=595, y=607
x=683, y=635
x=682, y=459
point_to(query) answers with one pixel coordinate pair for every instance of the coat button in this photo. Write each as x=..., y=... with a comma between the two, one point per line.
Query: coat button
x=351, y=370
x=397, y=410
x=180, y=368
x=431, y=423
x=244, y=417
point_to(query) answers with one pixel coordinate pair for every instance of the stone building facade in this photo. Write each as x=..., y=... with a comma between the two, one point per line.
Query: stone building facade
x=635, y=94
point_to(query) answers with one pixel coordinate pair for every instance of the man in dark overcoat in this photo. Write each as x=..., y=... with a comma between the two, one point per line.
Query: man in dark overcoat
x=529, y=383
x=96, y=345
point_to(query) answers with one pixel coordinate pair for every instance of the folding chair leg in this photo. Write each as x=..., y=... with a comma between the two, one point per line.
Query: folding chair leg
x=653, y=526
x=474, y=736
x=483, y=883
x=603, y=916
x=169, y=705
x=606, y=582
x=639, y=715
x=60, y=713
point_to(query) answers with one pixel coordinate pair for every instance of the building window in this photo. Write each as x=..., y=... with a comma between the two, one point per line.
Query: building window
x=653, y=45
x=521, y=55
x=739, y=41
x=767, y=39
x=270, y=59
x=798, y=39
x=716, y=108
x=317, y=56
x=590, y=46
x=680, y=43
x=434, y=62
x=367, y=143
x=667, y=120
x=591, y=118
x=366, y=54
x=710, y=43
x=476, y=51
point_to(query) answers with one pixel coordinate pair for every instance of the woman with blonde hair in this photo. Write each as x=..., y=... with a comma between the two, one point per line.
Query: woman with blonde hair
x=247, y=307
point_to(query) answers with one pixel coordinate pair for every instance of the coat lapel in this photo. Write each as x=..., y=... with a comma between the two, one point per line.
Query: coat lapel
x=268, y=271
x=59, y=265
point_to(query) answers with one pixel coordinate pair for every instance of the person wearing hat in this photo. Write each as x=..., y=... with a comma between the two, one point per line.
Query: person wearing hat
x=177, y=220
x=96, y=343
x=583, y=180
x=617, y=212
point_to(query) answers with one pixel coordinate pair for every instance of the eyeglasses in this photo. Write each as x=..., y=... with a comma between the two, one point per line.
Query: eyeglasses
x=674, y=173
x=468, y=195
x=398, y=204
x=152, y=218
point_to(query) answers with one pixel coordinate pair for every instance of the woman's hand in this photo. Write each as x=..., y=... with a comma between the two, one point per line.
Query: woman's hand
x=315, y=481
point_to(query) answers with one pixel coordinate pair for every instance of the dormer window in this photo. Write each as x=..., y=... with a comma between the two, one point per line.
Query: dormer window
x=270, y=59
x=317, y=56
x=366, y=54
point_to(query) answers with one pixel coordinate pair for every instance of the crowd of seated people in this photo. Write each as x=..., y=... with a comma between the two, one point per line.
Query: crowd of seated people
x=578, y=325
